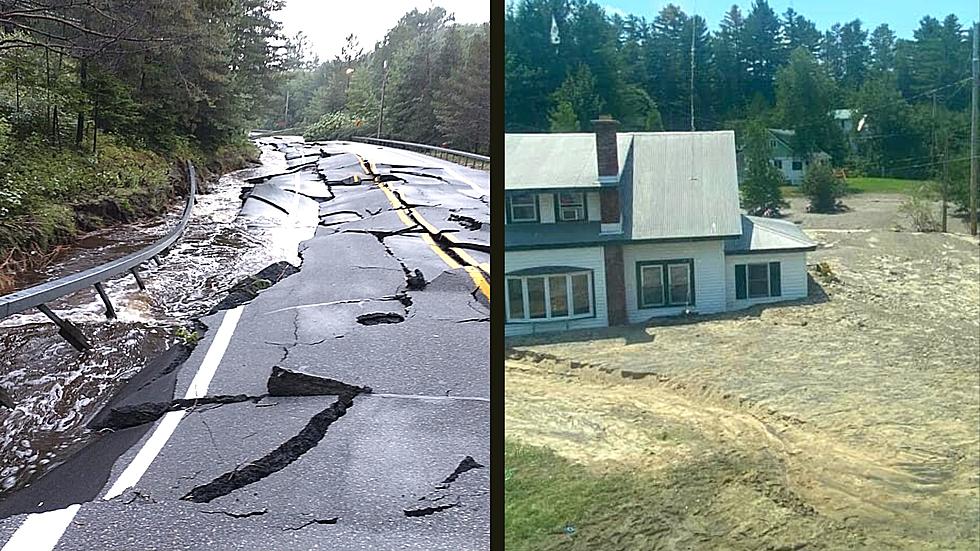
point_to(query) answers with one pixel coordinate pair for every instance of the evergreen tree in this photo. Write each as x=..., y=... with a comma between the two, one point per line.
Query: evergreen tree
x=760, y=187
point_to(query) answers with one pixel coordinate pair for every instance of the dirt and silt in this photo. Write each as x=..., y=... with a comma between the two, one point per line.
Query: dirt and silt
x=850, y=420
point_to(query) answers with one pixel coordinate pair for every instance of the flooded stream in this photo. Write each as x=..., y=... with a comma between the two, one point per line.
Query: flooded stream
x=57, y=389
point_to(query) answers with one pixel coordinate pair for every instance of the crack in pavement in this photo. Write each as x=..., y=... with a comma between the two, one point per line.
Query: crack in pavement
x=331, y=520
x=147, y=412
x=238, y=515
x=278, y=459
x=433, y=502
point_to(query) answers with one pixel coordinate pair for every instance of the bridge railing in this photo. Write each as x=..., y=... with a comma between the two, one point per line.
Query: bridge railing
x=464, y=158
x=38, y=295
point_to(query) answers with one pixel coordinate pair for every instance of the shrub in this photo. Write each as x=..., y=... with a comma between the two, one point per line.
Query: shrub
x=918, y=208
x=822, y=188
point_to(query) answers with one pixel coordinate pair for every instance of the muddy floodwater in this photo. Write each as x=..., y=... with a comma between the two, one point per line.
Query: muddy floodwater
x=850, y=420
x=57, y=389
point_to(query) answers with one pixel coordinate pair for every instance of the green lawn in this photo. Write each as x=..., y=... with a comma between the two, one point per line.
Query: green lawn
x=551, y=503
x=867, y=185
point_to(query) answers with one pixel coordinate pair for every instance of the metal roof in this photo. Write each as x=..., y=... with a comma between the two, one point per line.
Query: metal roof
x=683, y=184
x=542, y=161
x=768, y=234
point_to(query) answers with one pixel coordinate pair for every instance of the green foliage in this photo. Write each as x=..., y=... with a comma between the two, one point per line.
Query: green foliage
x=805, y=96
x=188, y=337
x=563, y=118
x=754, y=66
x=919, y=208
x=823, y=188
x=336, y=126
x=760, y=187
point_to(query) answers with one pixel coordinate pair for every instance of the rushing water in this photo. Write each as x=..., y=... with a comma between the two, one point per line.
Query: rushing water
x=57, y=389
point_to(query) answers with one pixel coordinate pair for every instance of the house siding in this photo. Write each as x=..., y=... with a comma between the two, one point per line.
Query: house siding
x=709, y=276
x=591, y=258
x=793, y=276
x=592, y=203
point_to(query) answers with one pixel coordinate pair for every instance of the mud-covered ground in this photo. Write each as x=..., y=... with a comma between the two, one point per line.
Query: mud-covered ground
x=870, y=211
x=848, y=420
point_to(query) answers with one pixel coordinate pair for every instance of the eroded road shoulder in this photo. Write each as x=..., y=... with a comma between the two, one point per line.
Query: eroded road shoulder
x=348, y=402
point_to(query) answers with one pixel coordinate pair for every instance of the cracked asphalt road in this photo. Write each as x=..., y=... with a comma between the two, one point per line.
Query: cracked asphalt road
x=397, y=459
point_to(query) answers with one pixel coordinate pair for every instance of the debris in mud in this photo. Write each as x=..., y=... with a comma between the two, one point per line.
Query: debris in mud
x=137, y=414
x=378, y=318
x=286, y=382
x=248, y=288
x=278, y=459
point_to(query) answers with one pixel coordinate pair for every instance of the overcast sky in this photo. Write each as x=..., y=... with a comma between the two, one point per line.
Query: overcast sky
x=326, y=24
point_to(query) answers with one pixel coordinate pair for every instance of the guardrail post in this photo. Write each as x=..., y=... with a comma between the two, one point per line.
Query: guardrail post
x=139, y=280
x=158, y=261
x=67, y=331
x=110, y=312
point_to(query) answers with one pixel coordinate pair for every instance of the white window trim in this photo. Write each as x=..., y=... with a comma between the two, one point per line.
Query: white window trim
x=547, y=298
x=580, y=206
x=533, y=204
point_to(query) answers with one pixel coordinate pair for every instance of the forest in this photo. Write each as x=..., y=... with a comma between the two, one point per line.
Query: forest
x=568, y=61
x=101, y=101
x=435, y=75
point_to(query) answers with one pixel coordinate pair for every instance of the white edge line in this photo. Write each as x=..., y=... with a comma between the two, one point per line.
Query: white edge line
x=42, y=531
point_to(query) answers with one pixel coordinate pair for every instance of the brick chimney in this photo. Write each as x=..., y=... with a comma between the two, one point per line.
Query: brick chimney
x=607, y=156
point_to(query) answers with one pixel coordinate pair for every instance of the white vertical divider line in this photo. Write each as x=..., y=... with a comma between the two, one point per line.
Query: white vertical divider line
x=43, y=531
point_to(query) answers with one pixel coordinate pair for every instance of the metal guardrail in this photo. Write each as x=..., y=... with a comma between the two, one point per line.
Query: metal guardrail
x=467, y=159
x=39, y=295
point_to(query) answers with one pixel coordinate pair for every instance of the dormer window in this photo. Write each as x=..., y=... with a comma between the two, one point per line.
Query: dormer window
x=571, y=207
x=523, y=208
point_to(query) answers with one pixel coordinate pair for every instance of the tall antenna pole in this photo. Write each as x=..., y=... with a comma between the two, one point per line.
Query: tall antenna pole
x=973, y=132
x=693, y=30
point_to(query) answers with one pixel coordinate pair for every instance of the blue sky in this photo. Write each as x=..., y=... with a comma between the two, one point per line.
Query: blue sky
x=901, y=15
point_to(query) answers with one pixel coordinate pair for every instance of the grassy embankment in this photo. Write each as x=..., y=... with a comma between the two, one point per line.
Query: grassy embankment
x=867, y=185
x=49, y=195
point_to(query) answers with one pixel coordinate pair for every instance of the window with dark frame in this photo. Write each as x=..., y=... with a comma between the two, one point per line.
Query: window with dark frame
x=571, y=207
x=797, y=165
x=549, y=297
x=758, y=280
x=523, y=208
x=665, y=283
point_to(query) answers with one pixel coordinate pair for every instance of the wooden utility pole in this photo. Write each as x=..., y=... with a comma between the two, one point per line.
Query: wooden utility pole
x=973, y=132
x=384, y=82
x=945, y=181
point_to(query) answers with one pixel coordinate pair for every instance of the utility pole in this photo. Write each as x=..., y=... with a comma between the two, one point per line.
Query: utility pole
x=384, y=81
x=973, y=132
x=945, y=180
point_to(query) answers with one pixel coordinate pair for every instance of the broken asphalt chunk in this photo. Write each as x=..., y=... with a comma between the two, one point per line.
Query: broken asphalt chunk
x=286, y=382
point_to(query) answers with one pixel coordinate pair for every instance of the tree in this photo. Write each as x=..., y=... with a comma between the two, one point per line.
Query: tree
x=579, y=91
x=563, y=118
x=882, y=45
x=760, y=187
x=804, y=100
x=823, y=188
x=463, y=105
x=761, y=45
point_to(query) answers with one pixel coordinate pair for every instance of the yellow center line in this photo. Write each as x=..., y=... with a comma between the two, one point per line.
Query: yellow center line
x=474, y=271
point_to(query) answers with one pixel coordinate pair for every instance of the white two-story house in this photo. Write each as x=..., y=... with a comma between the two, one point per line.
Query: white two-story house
x=610, y=228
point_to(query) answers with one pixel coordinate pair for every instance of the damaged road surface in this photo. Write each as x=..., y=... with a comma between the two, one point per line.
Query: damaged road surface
x=343, y=405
